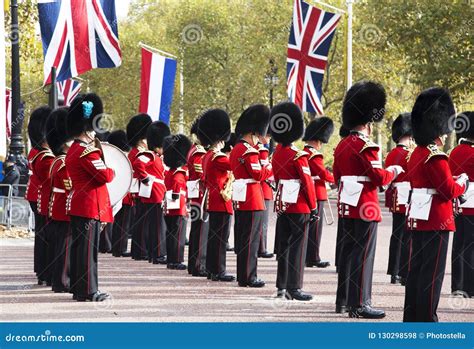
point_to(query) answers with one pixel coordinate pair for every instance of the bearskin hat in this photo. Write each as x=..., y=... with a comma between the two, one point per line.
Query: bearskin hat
x=175, y=150
x=83, y=112
x=36, y=126
x=430, y=117
x=194, y=126
x=157, y=131
x=401, y=127
x=343, y=132
x=286, y=123
x=230, y=143
x=254, y=119
x=119, y=139
x=320, y=129
x=56, y=134
x=213, y=126
x=137, y=127
x=363, y=103
x=465, y=124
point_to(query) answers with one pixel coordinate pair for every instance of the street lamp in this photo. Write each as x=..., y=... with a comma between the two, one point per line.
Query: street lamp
x=271, y=79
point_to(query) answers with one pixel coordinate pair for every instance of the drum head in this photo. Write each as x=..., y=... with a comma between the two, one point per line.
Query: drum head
x=118, y=161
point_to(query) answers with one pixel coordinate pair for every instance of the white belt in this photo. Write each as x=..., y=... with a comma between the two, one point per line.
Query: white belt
x=355, y=179
x=315, y=178
x=246, y=180
x=401, y=185
x=157, y=180
x=58, y=190
x=290, y=180
x=429, y=191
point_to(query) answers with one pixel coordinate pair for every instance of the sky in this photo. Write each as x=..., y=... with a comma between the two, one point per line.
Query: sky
x=121, y=7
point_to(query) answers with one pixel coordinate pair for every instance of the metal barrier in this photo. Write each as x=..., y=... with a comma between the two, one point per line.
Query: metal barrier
x=15, y=210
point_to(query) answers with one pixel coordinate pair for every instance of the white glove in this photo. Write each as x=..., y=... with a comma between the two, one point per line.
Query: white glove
x=463, y=180
x=396, y=170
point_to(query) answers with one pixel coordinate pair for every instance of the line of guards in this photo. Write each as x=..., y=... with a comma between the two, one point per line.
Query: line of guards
x=223, y=175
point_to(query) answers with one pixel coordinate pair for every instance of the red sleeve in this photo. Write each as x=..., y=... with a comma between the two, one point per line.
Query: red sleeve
x=197, y=165
x=437, y=169
x=44, y=167
x=139, y=166
x=179, y=182
x=255, y=169
x=96, y=167
x=318, y=169
x=335, y=171
x=375, y=172
x=307, y=184
x=222, y=163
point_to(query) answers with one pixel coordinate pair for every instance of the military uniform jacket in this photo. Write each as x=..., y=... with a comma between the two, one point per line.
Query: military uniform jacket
x=89, y=196
x=216, y=167
x=461, y=160
x=264, y=161
x=43, y=168
x=397, y=156
x=357, y=155
x=61, y=186
x=175, y=180
x=147, y=163
x=291, y=163
x=428, y=168
x=128, y=199
x=195, y=168
x=33, y=182
x=245, y=164
x=319, y=173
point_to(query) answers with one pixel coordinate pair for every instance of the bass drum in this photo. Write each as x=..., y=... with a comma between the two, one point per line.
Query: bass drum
x=117, y=160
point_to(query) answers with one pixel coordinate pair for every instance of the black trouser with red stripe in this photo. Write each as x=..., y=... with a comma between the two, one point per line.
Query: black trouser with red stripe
x=45, y=250
x=264, y=232
x=293, y=242
x=62, y=249
x=175, y=238
x=120, y=230
x=343, y=263
x=155, y=227
x=462, y=257
x=38, y=249
x=339, y=242
x=84, y=274
x=423, y=288
x=247, y=225
x=217, y=240
x=197, y=244
x=314, y=237
x=399, y=243
x=105, y=242
x=357, y=257
x=139, y=234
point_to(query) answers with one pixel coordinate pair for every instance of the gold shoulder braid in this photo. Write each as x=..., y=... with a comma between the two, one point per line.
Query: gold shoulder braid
x=368, y=143
x=250, y=149
x=434, y=151
x=88, y=150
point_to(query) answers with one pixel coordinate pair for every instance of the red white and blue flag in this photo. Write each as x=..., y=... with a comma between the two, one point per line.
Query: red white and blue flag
x=157, y=85
x=78, y=35
x=311, y=34
x=68, y=90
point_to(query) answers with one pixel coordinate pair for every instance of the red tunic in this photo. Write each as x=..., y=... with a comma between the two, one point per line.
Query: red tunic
x=43, y=168
x=89, y=197
x=356, y=155
x=461, y=160
x=319, y=173
x=33, y=182
x=195, y=158
x=263, y=153
x=60, y=191
x=245, y=164
x=397, y=156
x=291, y=163
x=175, y=180
x=150, y=164
x=216, y=174
x=428, y=168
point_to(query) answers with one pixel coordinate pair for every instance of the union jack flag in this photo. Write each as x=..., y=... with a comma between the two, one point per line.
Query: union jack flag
x=68, y=89
x=78, y=36
x=311, y=34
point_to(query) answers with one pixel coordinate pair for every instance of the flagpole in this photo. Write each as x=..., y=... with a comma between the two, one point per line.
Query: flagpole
x=349, y=44
x=329, y=6
x=153, y=49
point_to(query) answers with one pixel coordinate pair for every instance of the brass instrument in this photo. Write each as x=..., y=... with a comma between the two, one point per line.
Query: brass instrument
x=329, y=220
x=226, y=192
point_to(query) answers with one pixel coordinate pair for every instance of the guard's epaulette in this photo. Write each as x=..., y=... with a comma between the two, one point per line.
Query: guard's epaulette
x=217, y=154
x=47, y=154
x=89, y=149
x=141, y=149
x=368, y=144
x=58, y=158
x=146, y=152
x=249, y=150
x=261, y=147
x=409, y=154
x=313, y=152
x=434, y=151
x=39, y=154
x=449, y=151
x=299, y=153
x=199, y=149
x=180, y=169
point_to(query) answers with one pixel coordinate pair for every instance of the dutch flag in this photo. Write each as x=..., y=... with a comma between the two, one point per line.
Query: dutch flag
x=157, y=85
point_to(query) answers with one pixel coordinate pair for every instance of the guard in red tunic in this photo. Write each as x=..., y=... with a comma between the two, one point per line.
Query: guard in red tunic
x=56, y=135
x=358, y=170
x=175, y=151
x=122, y=220
x=396, y=199
x=199, y=226
x=88, y=204
x=267, y=190
x=295, y=200
x=461, y=160
x=247, y=192
x=430, y=212
x=316, y=134
x=37, y=136
x=149, y=163
x=136, y=135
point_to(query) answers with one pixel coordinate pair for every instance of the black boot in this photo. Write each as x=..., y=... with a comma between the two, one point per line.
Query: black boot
x=299, y=295
x=366, y=312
